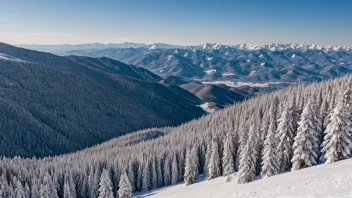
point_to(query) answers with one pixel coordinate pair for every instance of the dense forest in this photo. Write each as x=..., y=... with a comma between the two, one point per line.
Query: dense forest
x=290, y=129
x=52, y=105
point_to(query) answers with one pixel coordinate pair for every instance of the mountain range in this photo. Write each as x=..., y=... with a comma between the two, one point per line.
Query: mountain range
x=275, y=63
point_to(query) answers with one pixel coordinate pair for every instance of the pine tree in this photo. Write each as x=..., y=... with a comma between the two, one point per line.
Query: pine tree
x=154, y=175
x=167, y=171
x=159, y=173
x=146, y=176
x=140, y=177
x=174, y=171
x=285, y=136
x=227, y=159
x=307, y=137
x=67, y=192
x=69, y=187
x=214, y=163
x=19, y=190
x=131, y=176
x=269, y=158
x=105, y=185
x=337, y=141
x=48, y=188
x=4, y=187
x=207, y=158
x=34, y=189
x=125, y=188
x=191, y=167
x=27, y=190
x=247, y=167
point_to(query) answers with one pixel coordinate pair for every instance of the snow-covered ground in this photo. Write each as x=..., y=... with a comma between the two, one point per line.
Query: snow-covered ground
x=228, y=74
x=206, y=107
x=7, y=57
x=240, y=84
x=331, y=180
x=210, y=71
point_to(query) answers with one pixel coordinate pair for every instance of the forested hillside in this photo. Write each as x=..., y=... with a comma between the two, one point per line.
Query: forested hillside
x=289, y=129
x=52, y=105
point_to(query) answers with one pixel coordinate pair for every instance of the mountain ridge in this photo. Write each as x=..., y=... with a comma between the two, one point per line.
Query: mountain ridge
x=68, y=103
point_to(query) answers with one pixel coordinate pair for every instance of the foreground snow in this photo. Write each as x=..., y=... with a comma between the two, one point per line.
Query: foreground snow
x=332, y=180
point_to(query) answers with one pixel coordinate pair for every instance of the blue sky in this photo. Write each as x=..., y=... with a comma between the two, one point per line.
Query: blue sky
x=183, y=22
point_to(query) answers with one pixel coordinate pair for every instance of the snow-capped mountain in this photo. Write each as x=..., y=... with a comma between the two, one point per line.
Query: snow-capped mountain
x=238, y=63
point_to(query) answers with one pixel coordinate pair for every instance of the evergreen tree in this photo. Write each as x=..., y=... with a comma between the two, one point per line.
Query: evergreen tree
x=269, y=159
x=207, y=158
x=159, y=173
x=167, y=171
x=285, y=136
x=27, y=191
x=146, y=176
x=69, y=187
x=227, y=159
x=307, y=136
x=191, y=167
x=105, y=185
x=337, y=141
x=125, y=188
x=131, y=176
x=247, y=167
x=174, y=171
x=214, y=163
x=4, y=187
x=154, y=180
x=48, y=188
x=19, y=190
x=34, y=189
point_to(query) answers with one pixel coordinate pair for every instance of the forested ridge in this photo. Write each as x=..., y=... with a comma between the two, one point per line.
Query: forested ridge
x=51, y=105
x=287, y=130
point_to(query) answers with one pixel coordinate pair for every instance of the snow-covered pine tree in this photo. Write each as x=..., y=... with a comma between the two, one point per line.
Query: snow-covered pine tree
x=270, y=164
x=125, y=188
x=4, y=187
x=347, y=94
x=167, y=171
x=48, y=188
x=131, y=175
x=191, y=167
x=285, y=136
x=105, y=185
x=154, y=179
x=247, y=167
x=34, y=188
x=27, y=190
x=228, y=165
x=337, y=141
x=214, y=163
x=19, y=190
x=146, y=176
x=307, y=136
x=207, y=158
x=69, y=187
x=67, y=192
x=159, y=173
x=140, y=177
x=174, y=171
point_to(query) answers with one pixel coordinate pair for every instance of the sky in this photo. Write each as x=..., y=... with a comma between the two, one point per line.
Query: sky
x=181, y=22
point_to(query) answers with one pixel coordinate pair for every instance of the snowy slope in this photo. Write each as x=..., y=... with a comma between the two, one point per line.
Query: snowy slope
x=332, y=180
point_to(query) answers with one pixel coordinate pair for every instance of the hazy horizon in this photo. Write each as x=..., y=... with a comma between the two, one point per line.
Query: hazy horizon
x=176, y=22
x=200, y=44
